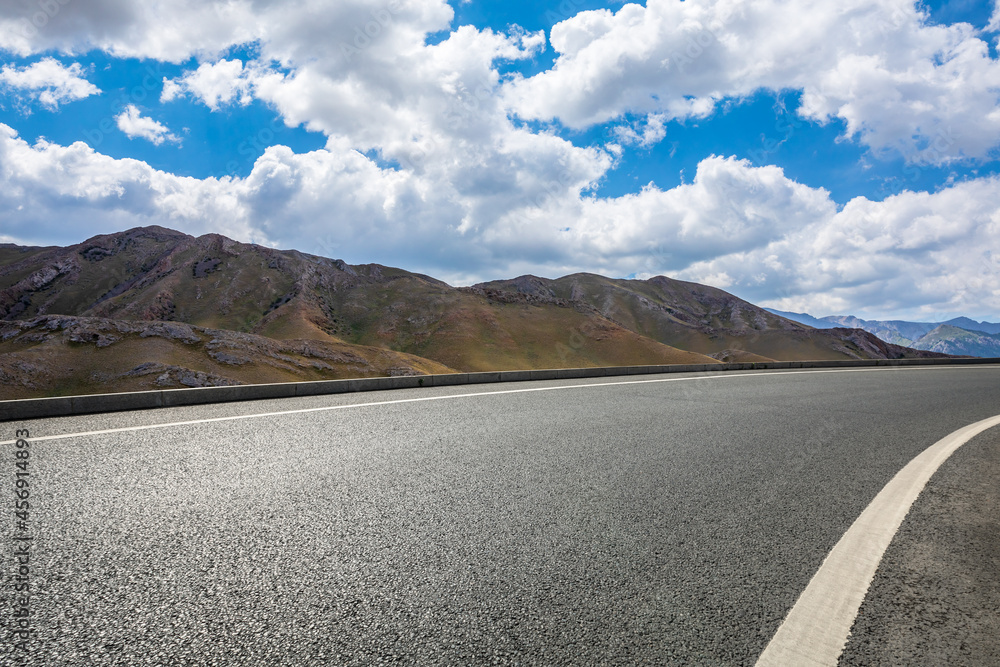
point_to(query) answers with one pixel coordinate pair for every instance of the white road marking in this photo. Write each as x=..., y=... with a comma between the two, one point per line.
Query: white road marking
x=817, y=628
x=192, y=422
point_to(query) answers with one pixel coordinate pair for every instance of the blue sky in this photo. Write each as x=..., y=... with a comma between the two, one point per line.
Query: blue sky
x=835, y=159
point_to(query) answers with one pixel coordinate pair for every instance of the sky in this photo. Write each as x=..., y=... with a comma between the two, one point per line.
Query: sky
x=811, y=156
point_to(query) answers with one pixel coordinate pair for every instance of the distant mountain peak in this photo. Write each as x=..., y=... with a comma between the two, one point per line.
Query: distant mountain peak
x=951, y=337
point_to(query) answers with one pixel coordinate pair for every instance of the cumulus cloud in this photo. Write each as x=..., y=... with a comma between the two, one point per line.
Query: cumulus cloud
x=298, y=30
x=748, y=229
x=899, y=84
x=430, y=109
x=730, y=206
x=324, y=201
x=49, y=82
x=163, y=31
x=215, y=84
x=134, y=124
x=645, y=134
x=923, y=254
x=61, y=194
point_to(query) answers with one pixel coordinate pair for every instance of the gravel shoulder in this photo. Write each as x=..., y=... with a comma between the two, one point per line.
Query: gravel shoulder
x=935, y=596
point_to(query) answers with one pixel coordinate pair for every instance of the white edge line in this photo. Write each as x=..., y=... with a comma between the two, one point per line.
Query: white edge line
x=819, y=624
x=146, y=427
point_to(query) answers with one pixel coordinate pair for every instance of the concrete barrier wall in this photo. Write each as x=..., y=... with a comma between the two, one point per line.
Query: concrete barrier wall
x=77, y=405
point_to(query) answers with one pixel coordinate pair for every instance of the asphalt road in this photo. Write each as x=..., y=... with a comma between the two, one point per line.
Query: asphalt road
x=604, y=521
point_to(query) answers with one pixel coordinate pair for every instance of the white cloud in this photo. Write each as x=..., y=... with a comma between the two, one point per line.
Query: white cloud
x=749, y=229
x=296, y=30
x=994, y=24
x=49, y=82
x=172, y=89
x=899, y=84
x=646, y=134
x=59, y=193
x=730, y=206
x=918, y=255
x=134, y=124
x=431, y=108
x=214, y=84
x=167, y=31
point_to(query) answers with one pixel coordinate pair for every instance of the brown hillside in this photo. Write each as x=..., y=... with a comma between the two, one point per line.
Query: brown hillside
x=154, y=274
x=61, y=355
x=699, y=318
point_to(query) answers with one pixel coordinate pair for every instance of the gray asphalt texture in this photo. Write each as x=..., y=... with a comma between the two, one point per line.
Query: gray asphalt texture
x=935, y=599
x=650, y=523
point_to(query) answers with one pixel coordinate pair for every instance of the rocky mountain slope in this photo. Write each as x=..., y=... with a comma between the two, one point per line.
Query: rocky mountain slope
x=893, y=331
x=700, y=318
x=52, y=355
x=256, y=314
x=949, y=339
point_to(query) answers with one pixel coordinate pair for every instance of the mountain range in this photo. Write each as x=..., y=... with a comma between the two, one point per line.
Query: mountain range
x=958, y=336
x=153, y=307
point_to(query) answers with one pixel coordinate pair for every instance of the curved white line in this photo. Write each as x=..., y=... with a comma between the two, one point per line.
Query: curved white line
x=816, y=629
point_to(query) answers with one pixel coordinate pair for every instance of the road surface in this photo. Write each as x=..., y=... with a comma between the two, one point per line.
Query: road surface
x=654, y=520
